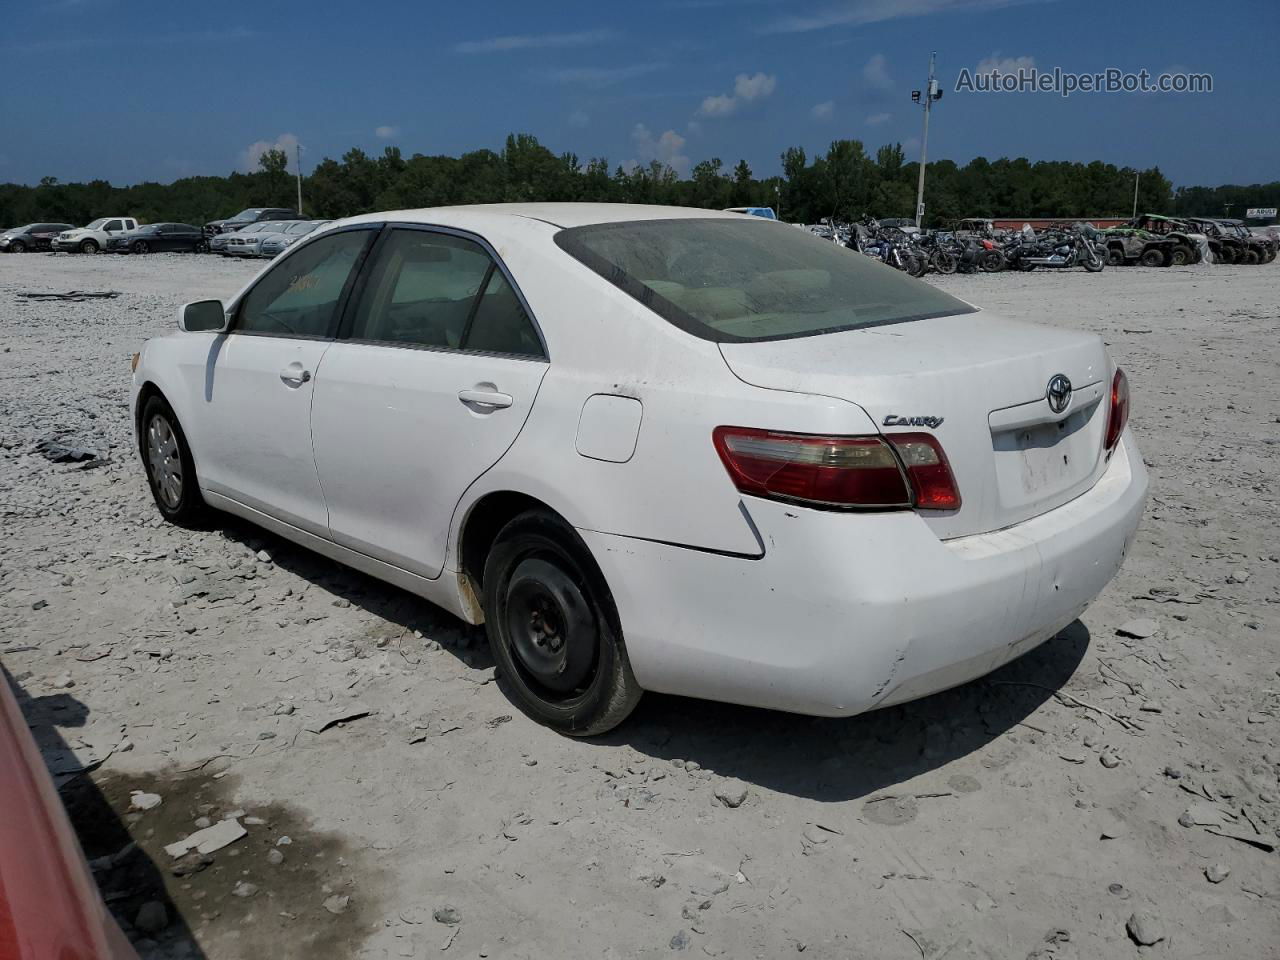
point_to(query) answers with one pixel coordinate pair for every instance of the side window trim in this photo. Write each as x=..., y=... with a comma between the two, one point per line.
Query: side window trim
x=496, y=264
x=344, y=298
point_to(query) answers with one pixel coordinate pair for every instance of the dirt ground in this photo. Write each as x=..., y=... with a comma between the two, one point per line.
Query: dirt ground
x=1029, y=814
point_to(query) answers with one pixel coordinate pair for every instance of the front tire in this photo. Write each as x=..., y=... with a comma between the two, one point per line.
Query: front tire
x=141, y=246
x=89, y=246
x=554, y=630
x=1182, y=256
x=1154, y=257
x=171, y=472
x=17, y=246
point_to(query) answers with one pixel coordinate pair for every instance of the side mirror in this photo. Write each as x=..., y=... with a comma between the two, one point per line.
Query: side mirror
x=202, y=316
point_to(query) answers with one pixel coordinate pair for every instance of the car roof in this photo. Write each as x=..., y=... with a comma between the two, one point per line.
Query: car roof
x=556, y=214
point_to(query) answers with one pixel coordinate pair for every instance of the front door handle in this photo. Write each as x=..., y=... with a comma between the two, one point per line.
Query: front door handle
x=485, y=398
x=294, y=375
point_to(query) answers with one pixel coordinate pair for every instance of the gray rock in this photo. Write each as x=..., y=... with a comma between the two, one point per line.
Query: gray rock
x=1109, y=760
x=202, y=822
x=263, y=556
x=447, y=915
x=284, y=709
x=275, y=857
x=1140, y=628
x=337, y=903
x=62, y=682
x=1144, y=929
x=680, y=941
x=732, y=793
x=138, y=800
x=244, y=889
x=152, y=918
x=1238, y=576
x=1217, y=872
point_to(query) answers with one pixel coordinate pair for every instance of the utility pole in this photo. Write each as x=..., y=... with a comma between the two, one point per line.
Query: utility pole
x=1136, y=178
x=297, y=155
x=931, y=93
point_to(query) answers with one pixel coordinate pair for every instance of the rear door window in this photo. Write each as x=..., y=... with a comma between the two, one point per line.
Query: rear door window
x=438, y=290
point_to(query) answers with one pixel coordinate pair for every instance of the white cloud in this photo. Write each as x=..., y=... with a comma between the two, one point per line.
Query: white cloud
x=287, y=142
x=878, y=118
x=875, y=73
x=756, y=85
x=386, y=133
x=718, y=106
x=824, y=110
x=1005, y=64
x=579, y=118
x=853, y=13
x=601, y=76
x=538, y=41
x=666, y=148
x=746, y=87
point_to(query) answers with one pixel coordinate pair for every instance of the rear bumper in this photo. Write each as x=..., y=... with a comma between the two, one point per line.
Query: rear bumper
x=844, y=613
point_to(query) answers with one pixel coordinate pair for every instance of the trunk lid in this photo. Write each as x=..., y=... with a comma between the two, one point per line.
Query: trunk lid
x=978, y=383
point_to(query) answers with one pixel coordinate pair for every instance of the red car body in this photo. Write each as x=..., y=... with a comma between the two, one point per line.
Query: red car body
x=50, y=908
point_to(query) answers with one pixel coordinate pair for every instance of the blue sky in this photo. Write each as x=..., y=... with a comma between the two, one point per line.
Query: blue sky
x=131, y=90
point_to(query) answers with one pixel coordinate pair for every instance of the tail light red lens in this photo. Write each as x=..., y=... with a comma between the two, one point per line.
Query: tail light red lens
x=928, y=469
x=849, y=472
x=1119, y=409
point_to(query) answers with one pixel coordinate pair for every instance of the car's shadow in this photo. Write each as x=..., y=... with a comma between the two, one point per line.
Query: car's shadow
x=834, y=760
x=126, y=876
x=819, y=758
x=399, y=607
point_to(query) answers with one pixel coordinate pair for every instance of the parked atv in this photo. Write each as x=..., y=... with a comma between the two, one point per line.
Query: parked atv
x=1128, y=245
x=1225, y=246
x=1185, y=249
x=1263, y=248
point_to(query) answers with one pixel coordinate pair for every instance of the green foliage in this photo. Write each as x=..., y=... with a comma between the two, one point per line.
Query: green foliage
x=844, y=182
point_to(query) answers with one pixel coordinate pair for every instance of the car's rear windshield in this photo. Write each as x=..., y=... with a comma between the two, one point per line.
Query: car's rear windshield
x=745, y=279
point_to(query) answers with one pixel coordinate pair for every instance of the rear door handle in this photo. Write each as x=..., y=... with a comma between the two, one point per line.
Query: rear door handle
x=485, y=398
x=294, y=375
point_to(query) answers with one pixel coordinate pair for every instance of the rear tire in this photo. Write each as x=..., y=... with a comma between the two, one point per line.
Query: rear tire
x=553, y=628
x=1252, y=258
x=1154, y=257
x=171, y=473
x=991, y=262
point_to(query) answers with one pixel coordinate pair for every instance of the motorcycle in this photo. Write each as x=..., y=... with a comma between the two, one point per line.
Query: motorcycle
x=1057, y=250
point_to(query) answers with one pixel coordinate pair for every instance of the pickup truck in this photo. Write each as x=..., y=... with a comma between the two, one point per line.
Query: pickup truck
x=94, y=237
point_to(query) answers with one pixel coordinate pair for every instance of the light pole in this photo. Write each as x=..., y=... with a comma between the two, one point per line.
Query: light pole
x=931, y=93
x=297, y=155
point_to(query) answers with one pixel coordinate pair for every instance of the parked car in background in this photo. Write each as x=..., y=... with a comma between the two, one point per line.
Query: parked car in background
x=93, y=237
x=246, y=217
x=50, y=906
x=766, y=212
x=273, y=244
x=847, y=489
x=34, y=236
x=244, y=242
x=159, y=238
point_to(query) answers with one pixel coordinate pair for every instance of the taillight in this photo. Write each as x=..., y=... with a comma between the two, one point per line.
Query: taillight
x=1119, y=409
x=928, y=469
x=849, y=472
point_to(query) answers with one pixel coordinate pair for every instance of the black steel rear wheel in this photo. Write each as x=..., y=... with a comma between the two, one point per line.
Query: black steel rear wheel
x=553, y=628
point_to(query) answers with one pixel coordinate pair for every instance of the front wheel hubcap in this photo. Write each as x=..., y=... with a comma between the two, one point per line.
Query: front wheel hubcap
x=551, y=626
x=164, y=461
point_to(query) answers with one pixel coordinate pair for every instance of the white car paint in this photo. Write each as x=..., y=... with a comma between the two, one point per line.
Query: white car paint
x=95, y=234
x=378, y=458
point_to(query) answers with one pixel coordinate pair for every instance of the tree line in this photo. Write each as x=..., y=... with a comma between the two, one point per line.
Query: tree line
x=846, y=182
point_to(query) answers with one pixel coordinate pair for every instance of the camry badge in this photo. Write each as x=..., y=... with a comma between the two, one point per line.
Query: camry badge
x=893, y=420
x=1058, y=393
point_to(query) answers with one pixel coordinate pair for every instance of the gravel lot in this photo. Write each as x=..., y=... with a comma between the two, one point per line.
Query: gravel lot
x=1031, y=814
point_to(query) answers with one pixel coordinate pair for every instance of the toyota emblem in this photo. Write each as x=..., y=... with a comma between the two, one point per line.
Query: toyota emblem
x=1058, y=393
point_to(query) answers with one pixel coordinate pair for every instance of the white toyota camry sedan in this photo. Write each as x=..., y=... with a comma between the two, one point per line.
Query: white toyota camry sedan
x=657, y=449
